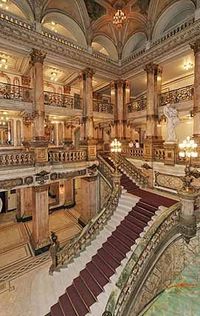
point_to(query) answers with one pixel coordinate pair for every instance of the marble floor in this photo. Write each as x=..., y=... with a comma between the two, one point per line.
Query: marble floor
x=15, y=248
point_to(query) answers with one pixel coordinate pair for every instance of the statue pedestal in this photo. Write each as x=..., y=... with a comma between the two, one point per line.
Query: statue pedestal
x=150, y=145
x=170, y=153
x=187, y=219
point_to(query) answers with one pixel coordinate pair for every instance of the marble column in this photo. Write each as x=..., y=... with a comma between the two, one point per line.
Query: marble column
x=119, y=110
x=37, y=60
x=187, y=218
x=113, y=98
x=127, y=94
x=69, y=191
x=24, y=204
x=40, y=219
x=88, y=120
x=39, y=141
x=88, y=103
x=89, y=198
x=153, y=139
x=196, y=105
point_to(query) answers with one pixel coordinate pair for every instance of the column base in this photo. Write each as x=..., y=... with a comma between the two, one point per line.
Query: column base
x=41, y=247
x=170, y=153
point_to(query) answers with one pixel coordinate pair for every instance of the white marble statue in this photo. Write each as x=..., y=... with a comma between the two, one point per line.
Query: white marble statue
x=172, y=120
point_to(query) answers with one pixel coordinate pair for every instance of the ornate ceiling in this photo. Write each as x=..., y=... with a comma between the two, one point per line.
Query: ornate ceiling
x=89, y=23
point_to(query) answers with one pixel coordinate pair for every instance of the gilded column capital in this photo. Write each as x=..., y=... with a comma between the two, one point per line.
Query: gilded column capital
x=195, y=46
x=151, y=68
x=37, y=56
x=88, y=73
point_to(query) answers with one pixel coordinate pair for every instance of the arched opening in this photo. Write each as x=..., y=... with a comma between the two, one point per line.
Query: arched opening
x=105, y=46
x=135, y=42
x=19, y=8
x=62, y=24
x=172, y=16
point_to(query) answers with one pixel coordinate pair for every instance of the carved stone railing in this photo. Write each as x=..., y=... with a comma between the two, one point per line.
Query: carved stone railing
x=136, y=153
x=92, y=229
x=66, y=156
x=178, y=95
x=102, y=106
x=159, y=154
x=62, y=100
x=141, y=255
x=12, y=158
x=13, y=92
x=137, y=104
x=134, y=172
x=16, y=21
x=106, y=170
x=178, y=28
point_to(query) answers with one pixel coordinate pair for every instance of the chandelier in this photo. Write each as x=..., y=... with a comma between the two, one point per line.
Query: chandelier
x=119, y=18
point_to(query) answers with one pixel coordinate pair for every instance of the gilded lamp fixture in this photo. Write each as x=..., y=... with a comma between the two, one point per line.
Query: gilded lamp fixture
x=116, y=147
x=119, y=18
x=188, y=150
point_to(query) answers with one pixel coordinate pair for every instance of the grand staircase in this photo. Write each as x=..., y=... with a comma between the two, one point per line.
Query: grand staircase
x=96, y=278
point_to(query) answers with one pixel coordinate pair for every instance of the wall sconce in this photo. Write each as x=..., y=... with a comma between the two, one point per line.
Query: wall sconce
x=188, y=66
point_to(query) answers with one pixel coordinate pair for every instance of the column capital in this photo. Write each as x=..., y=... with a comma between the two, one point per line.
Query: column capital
x=37, y=56
x=195, y=46
x=120, y=82
x=88, y=73
x=151, y=68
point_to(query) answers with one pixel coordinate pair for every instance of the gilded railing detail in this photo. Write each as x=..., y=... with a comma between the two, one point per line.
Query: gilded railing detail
x=102, y=106
x=178, y=95
x=137, y=104
x=62, y=100
x=127, y=281
x=134, y=172
x=14, y=92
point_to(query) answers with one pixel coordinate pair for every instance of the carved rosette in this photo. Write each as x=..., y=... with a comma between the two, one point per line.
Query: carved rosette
x=37, y=56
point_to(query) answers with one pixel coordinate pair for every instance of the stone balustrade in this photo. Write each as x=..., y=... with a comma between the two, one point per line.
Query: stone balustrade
x=136, y=153
x=14, y=92
x=102, y=106
x=66, y=156
x=62, y=100
x=16, y=158
x=159, y=154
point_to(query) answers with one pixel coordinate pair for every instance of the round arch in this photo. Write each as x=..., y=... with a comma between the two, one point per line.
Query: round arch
x=173, y=15
x=65, y=26
x=21, y=8
x=106, y=44
x=136, y=41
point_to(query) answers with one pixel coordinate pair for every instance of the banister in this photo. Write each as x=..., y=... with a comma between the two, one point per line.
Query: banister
x=140, y=255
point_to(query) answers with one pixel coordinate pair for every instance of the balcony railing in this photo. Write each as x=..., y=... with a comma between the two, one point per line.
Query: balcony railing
x=14, y=92
x=16, y=158
x=177, y=95
x=138, y=104
x=102, y=106
x=174, y=96
x=63, y=156
x=62, y=100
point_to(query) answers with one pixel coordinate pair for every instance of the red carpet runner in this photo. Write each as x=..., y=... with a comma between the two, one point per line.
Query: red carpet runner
x=83, y=292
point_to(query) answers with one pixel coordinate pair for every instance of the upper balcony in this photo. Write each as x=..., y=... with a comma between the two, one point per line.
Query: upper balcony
x=21, y=98
x=179, y=97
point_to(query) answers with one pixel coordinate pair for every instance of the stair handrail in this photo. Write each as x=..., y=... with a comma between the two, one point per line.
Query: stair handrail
x=154, y=235
x=137, y=174
x=65, y=254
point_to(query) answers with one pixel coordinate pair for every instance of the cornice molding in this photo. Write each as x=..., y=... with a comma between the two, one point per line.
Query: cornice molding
x=28, y=38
